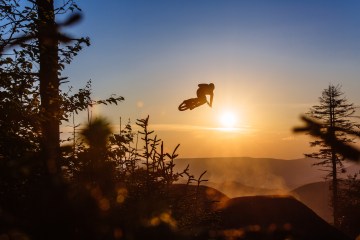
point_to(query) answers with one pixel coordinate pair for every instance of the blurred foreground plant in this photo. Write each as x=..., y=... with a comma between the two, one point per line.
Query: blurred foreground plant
x=132, y=191
x=317, y=129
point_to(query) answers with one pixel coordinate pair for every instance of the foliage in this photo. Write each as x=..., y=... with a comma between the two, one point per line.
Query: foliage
x=20, y=92
x=144, y=178
x=19, y=105
x=20, y=28
x=334, y=112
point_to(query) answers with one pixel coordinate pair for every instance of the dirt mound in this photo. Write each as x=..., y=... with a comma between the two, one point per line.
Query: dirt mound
x=282, y=216
x=208, y=198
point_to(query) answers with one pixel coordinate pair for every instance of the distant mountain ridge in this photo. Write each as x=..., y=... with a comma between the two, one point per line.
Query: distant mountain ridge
x=266, y=173
x=260, y=173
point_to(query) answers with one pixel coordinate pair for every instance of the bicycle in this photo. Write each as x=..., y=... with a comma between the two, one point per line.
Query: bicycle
x=190, y=104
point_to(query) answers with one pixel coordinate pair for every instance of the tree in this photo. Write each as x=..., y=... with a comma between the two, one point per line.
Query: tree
x=335, y=114
x=33, y=54
x=49, y=83
x=39, y=49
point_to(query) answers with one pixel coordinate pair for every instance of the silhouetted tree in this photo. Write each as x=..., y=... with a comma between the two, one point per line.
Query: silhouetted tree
x=334, y=112
x=31, y=28
x=349, y=200
x=33, y=54
x=49, y=84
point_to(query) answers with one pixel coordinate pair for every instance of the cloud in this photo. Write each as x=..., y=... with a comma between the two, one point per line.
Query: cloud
x=176, y=127
x=289, y=138
x=182, y=127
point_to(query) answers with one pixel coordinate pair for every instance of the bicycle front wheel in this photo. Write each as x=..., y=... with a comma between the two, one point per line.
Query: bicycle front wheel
x=183, y=106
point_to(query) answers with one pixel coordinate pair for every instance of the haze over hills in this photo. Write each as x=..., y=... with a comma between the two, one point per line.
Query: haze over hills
x=261, y=173
x=255, y=176
x=246, y=176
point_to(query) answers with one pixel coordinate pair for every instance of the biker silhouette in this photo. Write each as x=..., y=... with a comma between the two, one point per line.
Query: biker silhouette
x=203, y=90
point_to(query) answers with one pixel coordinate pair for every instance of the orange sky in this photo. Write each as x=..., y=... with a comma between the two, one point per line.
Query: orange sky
x=269, y=62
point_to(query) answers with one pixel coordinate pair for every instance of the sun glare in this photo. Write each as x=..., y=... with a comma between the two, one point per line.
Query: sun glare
x=228, y=120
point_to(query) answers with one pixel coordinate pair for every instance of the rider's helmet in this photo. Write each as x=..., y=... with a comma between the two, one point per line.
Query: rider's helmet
x=212, y=86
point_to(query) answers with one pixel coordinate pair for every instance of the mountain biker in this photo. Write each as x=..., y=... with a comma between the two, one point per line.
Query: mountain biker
x=203, y=90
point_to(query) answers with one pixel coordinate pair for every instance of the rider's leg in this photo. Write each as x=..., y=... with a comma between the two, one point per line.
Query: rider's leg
x=200, y=101
x=192, y=106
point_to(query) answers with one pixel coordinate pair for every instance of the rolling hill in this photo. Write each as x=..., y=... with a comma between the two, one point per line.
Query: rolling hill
x=317, y=197
x=274, y=217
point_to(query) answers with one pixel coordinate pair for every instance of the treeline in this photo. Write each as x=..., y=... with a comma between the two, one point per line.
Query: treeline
x=101, y=187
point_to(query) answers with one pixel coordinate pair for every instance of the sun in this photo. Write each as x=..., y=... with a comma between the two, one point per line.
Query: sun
x=228, y=119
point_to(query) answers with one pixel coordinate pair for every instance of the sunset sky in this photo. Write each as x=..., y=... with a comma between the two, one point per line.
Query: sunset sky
x=269, y=61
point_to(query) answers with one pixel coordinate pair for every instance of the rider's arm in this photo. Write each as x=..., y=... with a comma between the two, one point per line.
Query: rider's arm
x=211, y=99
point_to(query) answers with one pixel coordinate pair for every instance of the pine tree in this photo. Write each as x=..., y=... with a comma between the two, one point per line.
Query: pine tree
x=334, y=112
